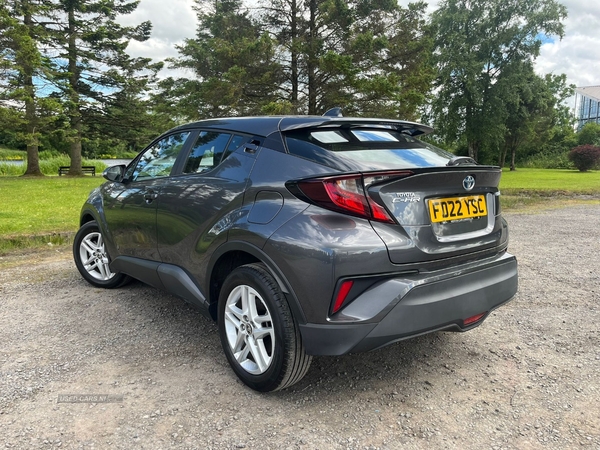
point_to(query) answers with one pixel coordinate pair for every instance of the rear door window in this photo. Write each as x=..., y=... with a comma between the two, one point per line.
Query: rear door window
x=236, y=142
x=207, y=151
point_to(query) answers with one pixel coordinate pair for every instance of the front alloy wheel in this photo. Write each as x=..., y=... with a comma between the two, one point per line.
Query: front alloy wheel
x=259, y=335
x=91, y=258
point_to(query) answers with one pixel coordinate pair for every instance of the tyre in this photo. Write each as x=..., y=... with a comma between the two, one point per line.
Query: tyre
x=260, y=338
x=92, y=260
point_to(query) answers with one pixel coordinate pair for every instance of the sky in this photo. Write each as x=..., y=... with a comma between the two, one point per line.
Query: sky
x=577, y=54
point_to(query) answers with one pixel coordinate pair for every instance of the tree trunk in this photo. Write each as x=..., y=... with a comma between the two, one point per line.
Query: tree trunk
x=473, y=149
x=74, y=114
x=33, y=157
x=502, y=157
x=294, y=55
x=513, y=153
x=312, y=60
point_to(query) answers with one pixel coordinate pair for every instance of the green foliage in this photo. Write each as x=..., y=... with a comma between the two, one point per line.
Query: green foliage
x=48, y=166
x=585, y=157
x=23, y=64
x=548, y=160
x=372, y=58
x=589, y=134
x=482, y=49
x=535, y=114
x=49, y=154
x=11, y=170
x=12, y=155
x=91, y=69
x=289, y=56
x=233, y=60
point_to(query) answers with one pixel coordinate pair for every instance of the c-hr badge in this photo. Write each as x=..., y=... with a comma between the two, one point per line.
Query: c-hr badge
x=406, y=197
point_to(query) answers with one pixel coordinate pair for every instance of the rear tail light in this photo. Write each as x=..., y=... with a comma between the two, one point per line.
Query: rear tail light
x=348, y=194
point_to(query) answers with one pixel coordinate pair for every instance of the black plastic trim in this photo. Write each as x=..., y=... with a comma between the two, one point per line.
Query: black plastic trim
x=140, y=269
x=167, y=277
x=284, y=285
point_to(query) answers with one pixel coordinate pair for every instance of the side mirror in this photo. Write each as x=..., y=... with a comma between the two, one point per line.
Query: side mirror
x=115, y=173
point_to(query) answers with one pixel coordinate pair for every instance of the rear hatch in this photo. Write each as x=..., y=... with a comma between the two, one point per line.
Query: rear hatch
x=425, y=203
x=440, y=213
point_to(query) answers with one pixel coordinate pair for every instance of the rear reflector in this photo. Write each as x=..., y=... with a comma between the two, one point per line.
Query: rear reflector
x=471, y=320
x=342, y=295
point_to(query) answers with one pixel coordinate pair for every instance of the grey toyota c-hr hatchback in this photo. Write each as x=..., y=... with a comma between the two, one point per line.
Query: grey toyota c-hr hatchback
x=304, y=236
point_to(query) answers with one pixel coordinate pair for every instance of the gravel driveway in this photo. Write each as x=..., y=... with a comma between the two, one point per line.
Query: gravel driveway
x=529, y=377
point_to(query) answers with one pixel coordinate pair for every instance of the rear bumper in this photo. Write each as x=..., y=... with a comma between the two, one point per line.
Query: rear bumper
x=408, y=306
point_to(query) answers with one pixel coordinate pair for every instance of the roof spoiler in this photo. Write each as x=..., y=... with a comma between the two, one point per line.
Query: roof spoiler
x=409, y=128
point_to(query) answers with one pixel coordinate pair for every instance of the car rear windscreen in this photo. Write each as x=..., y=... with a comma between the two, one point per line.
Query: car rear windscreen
x=364, y=148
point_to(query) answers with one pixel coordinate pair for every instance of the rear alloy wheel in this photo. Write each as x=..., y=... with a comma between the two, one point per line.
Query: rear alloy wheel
x=259, y=335
x=91, y=258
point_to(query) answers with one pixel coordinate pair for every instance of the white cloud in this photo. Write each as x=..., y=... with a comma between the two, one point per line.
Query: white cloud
x=172, y=22
x=578, y=53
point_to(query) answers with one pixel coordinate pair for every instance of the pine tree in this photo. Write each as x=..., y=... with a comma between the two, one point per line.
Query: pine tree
x=233, y=63
x=87, y=37
x=369, y=57
x=22, y=62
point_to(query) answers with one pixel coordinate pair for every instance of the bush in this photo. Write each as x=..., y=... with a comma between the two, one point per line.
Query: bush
x=589, y=134
x=11, y=170
x=585, y=157
x=49, y=154
x=50, y=166
x=548, y=160
x=12, y=155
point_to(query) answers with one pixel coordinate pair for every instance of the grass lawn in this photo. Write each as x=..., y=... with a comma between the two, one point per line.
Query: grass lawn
x=550, y=181
x=529, y=190
x=40, y=206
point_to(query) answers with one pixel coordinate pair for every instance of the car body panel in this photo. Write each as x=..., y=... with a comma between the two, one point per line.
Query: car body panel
x=403, y=307
x=195, y=212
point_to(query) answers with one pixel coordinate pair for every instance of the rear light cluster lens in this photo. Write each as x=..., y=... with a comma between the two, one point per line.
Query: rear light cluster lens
x=347, y=194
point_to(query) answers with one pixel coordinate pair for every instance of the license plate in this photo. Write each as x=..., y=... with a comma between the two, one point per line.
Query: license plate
x=457, y=208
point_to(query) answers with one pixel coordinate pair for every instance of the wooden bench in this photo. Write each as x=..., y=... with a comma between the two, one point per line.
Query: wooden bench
x=63, y=170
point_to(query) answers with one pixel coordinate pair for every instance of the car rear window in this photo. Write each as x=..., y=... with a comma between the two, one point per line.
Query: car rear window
x=364, y=149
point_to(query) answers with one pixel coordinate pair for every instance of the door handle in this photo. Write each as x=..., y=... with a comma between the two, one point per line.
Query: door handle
x=150, y=196
x=252, y=146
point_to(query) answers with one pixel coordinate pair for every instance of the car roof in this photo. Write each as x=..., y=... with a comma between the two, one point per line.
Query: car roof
x=266, y=125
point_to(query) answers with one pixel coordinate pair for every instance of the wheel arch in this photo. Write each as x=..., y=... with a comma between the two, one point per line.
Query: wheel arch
x=234, y=254
x=86, y=216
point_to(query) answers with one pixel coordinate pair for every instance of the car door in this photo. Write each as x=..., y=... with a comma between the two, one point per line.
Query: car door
x=197, y=206
x=130, y=207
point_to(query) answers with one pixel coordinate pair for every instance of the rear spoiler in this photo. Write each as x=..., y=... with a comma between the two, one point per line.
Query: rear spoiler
x=410, y=128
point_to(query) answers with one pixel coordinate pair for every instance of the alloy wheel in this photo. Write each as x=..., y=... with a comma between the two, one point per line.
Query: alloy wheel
x=94, y=258
x=249, y=329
